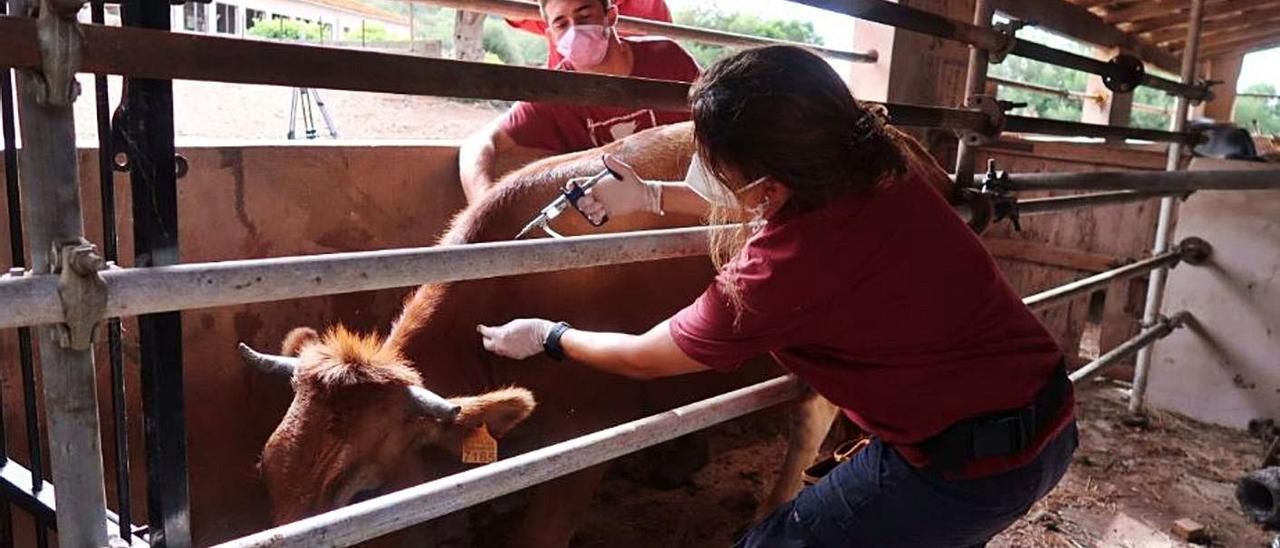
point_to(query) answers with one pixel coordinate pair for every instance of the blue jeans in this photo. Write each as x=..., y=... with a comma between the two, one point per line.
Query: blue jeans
x=877, y=499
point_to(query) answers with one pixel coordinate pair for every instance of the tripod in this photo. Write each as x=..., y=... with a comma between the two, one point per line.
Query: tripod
x=306, y=97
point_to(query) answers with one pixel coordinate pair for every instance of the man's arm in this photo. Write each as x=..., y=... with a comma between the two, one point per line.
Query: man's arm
x=487, y=155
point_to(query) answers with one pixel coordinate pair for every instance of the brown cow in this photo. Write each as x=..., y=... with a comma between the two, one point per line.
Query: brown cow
x=349, y=433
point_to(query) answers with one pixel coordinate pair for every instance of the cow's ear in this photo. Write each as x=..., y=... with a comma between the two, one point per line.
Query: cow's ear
x=500, y=410
x=296, y=339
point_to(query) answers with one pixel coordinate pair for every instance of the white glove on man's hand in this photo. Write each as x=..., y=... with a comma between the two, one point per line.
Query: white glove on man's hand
x=615, y=197
x=517, y=339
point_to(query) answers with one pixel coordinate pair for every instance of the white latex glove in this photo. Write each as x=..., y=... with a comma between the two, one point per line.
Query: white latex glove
x=517, y=339
x=617, y=198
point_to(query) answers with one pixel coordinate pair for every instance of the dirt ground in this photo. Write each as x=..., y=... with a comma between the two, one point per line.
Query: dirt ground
x=211, y=112
x=1125, y=487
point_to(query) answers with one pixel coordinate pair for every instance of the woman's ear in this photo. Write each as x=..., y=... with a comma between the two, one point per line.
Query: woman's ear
x=773, y=195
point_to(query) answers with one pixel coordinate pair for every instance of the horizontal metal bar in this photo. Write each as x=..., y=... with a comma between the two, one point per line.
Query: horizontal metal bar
x=1130, y=347
x=513, y=9
x=1045, y=126
x=33, y=299
x=1039, y=88
x=1040, y=52
x=154, y=54
x=392, y=512
x=1041, y=206
x=913, y=19
x=146, y=53
x=1049, y=298
x=16, y=488
x=932, y=24
x=1173, y=181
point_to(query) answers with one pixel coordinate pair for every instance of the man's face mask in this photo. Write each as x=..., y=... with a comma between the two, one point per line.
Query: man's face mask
x=703, y=182
x=584, y=45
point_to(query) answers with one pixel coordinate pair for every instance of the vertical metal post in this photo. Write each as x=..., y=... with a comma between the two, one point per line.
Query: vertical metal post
x=15, y=240
x=1164, y=224
x=975, y=84
x=51, y=185
x=148, y=135
x=115, y=350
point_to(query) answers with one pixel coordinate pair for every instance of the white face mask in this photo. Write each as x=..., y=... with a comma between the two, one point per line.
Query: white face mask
x=703, y=182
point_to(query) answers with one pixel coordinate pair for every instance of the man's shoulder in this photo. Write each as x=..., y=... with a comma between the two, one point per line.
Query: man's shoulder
x=662, y=57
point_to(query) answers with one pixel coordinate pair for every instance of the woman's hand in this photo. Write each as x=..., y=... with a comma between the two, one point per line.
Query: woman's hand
x=615, y=197
x=517, y=339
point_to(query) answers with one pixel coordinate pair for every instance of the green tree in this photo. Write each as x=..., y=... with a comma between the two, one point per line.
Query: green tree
x=1260, y=114
x=741, y=23
x=287, y=29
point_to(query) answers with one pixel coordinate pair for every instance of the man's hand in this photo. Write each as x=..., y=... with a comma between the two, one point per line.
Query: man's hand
x=517, y=339
x=612, y=196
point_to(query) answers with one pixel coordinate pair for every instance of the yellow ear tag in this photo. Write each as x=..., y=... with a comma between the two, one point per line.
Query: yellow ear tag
x=479, y=447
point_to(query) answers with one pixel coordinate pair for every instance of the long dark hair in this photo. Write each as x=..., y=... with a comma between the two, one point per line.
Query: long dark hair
x=782, y=112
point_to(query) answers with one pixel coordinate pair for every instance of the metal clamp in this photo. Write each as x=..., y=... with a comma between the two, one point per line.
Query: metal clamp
x=1126, y=73
x=1009, y=30
x=1195, y=251
x=61, y=48
x=994, y=109
x=1004, y=205
x=82, y=291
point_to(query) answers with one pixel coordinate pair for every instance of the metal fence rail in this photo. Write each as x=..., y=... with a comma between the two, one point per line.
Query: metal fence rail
x=514, y=9
x=932, y=24
x=1163, y=328
x=395, y=511
x=392, y=512
x=1157, y=181
x=158, y=54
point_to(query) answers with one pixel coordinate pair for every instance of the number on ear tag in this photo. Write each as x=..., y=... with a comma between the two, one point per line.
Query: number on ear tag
x=479, y=447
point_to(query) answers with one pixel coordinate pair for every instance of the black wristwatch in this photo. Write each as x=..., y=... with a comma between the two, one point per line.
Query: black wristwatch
x=552, y=343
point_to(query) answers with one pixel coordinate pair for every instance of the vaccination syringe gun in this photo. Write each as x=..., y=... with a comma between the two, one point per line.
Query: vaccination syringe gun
x=568, y=197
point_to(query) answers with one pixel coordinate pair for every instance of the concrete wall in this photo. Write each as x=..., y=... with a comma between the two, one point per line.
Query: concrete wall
x=1225, y=369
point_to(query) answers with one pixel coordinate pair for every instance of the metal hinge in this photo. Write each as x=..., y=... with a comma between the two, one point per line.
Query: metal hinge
x=82, y=291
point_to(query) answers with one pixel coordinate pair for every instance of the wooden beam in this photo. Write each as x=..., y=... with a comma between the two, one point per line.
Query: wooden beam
x=1178, y=19
x=1247, y=36
x=1242, y=48
x=1072, y=20
x=1223, y=21
x=1224, y=69
x=1147, y=10
x=1034, y=252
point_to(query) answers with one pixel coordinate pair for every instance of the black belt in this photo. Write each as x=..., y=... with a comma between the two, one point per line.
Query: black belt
x=998, y=434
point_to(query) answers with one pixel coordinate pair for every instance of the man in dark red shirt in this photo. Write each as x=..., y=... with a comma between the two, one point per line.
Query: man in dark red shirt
x=584, y=31
x=655, y=10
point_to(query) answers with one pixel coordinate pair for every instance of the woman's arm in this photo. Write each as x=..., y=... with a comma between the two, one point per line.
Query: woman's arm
x=651, y=355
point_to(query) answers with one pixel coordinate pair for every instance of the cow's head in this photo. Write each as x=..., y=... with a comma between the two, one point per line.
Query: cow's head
x=359, y=421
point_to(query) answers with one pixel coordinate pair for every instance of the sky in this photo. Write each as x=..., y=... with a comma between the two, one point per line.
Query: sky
x=837, y=31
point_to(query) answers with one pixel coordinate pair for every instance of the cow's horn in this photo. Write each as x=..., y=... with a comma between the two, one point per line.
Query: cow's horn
x=268, y=363
x=432, y=405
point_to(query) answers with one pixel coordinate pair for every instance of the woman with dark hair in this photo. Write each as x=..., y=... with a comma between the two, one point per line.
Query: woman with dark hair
x=857, y=276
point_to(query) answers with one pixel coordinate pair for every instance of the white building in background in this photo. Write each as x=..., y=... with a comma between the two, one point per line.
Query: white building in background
x=339, y=18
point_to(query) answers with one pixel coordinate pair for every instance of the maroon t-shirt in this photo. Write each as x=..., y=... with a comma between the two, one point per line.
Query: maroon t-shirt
x=562, y=128
x=888, y=305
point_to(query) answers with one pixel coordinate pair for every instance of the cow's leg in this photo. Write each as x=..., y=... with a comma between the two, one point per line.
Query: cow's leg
x=809, y=423
x=556, y=508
